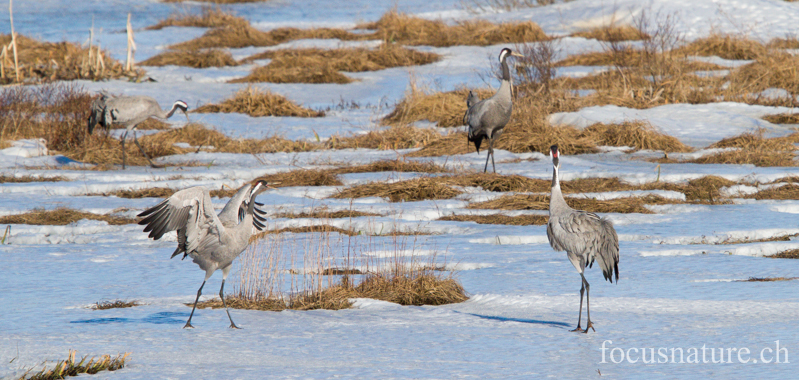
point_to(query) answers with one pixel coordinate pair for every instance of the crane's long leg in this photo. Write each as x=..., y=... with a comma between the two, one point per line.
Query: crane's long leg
x=199, y=291
x=491, y=152
x=580, y=314
x=222, y=296
x=589, y=325
x=124, y=137
x=136, y=140
x=485, y=169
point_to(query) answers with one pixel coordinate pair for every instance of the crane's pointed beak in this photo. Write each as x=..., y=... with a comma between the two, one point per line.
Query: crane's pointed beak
x=515, y=54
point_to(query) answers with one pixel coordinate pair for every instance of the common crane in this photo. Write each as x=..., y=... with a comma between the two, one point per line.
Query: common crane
x=213, y=241
x=130, y=111
x=488, y=117
x=584, y=236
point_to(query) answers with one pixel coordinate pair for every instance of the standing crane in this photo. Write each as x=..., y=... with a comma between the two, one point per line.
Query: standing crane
x=486, y=118
x=584, y=236
x=213, y=241
x=130, y=111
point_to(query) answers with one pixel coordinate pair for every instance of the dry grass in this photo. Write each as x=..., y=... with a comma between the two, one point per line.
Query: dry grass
x=392, y=138
x=325, y=65
x=446, y=109
x=4, y=178
x=789, y=42
x=412, y=190
x=46, y=61
x=613, y=33
x=303, y=177
x=118, y=304
x=783, y=118
x=754, y=149
x=773, y=70
x=255, y=102
x=635, y=134
x=449, y=145
x=209, y=18
x=199, y=59
x=789, y=254
x=409, y=30
x=768, y=279
x=60, y=217
x=541, y=202
x=324, y=213
x=521, y=220
x=153, y=192
x=726, y=46
x=70, y=367
x=393, y=166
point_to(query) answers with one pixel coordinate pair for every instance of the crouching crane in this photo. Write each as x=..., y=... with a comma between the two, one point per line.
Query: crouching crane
x=213, y=241
x=130, y=111
x=584, y=236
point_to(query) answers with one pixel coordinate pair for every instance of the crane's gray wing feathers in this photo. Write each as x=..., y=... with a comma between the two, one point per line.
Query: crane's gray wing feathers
x=188, y=211
x=589, y=236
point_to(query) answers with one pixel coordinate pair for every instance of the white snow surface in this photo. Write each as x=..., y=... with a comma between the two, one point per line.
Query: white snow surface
x=679, y=265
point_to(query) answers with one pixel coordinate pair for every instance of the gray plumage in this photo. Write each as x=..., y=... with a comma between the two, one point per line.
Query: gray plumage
x=129, y=112
x=213, y=241
x=487, y=118
x=584, y=236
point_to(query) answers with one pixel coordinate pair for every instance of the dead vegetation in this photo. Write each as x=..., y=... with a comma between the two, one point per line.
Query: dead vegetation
x=392, y=27
x=62, y=61
x=256, y=102
x=782, y=118
x=754, y=149
x=325, y=65
x=726, y=46
x=520, y=220
x=70, y=367
x=209, y=17
x=446, y=109
x=198, y=59
x=392, y=138
x=118, y=304
x=324, y=213
x=412, y=190
x=60, y=217
x=541, y=202
x=613, y=33
x=4, y=178
x=789, y=254
x=768, y=279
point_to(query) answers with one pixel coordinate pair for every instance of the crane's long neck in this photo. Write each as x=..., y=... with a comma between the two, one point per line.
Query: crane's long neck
x=167, y=115
x=505, y=91
x=556, y=200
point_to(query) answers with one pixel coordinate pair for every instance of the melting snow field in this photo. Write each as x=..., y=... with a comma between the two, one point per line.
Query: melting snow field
x=678, y=289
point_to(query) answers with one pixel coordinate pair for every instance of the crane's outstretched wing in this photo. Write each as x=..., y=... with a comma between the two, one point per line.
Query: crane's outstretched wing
x=586, y=232
x=188, y=211
x=258, y=215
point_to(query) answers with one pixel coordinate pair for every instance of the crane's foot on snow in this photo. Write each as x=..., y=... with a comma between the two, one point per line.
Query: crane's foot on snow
x=588, y=326
x=578, y=329
x=233, y=326
x=188, y=326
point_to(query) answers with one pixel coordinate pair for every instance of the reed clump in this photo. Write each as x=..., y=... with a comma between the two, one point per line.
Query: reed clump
x=613, y=33
x=209, y=17
x=60, y=217
x=199, y=59
x=71, y=367
x=257, y=103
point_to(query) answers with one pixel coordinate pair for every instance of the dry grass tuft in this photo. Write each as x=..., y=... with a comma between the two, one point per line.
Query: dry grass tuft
x=783, y=118
x=449, y=145
x=118, y=304
x=754, y=149
x=394, y=166
x=789, y=254
x=789, y=42
x=153, y=192
x=726, y=46
x=325, y=65
x=613, y=33
x=446, y=109
x=29, y=178
x=521, y=220
x=773, y=70
x=409, y=30
x=636, y=134
x=60, y=217
x=768, y=279
x=46, y=61
x=199, y=59
x=541, y=202
x=70, y=367
x=208, y=18
x=324, y=213
x=304, y=177
x=412, y=190
x=392, y=138
x=255, y=102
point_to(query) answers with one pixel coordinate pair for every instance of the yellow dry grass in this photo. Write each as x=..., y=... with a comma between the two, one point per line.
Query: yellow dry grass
x=416, y=189
x=60, y=217
x=754, y=149
x=635, y=134
x=325, y=65
x=209, y=17
x=446, y=109
x=613, y=33
x=256, y=102
x=4, y=178
x=541, y=202
x=783, y=118
x=726, y=46
x=199, y=59
x=789, y=254
x=71, y=367
x=392, y=138
x=62, y=61
x=521, y=220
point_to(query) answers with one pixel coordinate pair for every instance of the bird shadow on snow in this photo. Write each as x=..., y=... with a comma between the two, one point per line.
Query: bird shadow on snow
x=157, y=318
x=520, y=320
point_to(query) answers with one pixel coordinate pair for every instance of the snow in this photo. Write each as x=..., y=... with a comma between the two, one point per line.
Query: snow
x=679, y=265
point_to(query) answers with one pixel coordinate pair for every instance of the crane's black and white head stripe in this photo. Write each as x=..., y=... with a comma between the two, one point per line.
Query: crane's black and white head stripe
x=504, y=54
x=553, y=151
x=181, y=105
